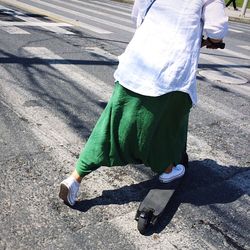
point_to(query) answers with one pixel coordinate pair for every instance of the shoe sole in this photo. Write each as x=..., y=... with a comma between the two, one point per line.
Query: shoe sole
x=63, y=194
x=176, y=177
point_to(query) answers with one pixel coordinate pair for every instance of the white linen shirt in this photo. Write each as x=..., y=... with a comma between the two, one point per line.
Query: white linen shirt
x=163, y=54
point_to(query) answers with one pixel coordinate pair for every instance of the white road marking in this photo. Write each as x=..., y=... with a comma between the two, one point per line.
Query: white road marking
x=101, y=52
x=81, y=77
x=236, y=54
x=28, y=23
x=237, y=26
x=225, y=112
x=236, y=31
x=14, y=30
x=56, y=16
x=53, y=27
x=215, y=60
x=103, y=8
x=92, y=18
x=113, y=5
x=200, y=149
x=246, y=47
x=53, y=132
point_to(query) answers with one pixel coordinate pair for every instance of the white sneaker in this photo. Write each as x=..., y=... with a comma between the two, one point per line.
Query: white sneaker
x=177, y=172
x=68, y=190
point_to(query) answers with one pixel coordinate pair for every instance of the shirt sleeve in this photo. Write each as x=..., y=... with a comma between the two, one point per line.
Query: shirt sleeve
x=215, y=19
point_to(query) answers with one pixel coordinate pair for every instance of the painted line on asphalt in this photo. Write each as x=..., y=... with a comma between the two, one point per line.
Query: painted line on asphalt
x=14, y=30
x=81, y=77
x=241, y=27
x=225, y=112
x=115, y=5
x=29, y=23
x=52, y=131
x=236, y=54
x=56, y=17
x=218, y=61
x=246, y=47
x=92, y=18
x=103, y=53
x=236, y=31
x=53, y=28
x=200, y=149
x=99, y=13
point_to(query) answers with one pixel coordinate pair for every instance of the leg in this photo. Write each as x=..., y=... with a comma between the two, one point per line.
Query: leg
x=228, y=3
x=234, y=4
x=103, y=148
x=179, y=130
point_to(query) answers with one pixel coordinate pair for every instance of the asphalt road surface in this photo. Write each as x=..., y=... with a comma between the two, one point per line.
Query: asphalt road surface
x=57, y=60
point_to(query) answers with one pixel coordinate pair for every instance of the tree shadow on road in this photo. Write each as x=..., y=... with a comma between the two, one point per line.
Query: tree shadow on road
x=205, y=183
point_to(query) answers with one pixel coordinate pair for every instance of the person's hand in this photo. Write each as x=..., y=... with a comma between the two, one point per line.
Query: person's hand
x=213, y=43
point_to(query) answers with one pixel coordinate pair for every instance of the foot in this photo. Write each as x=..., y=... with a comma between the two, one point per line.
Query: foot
x=177, y=172
x=68, y=190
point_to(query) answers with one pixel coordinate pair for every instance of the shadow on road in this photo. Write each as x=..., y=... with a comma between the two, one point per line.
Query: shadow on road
x=205, y=183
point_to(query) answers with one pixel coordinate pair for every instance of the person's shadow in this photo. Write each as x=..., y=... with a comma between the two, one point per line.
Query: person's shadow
x=205, y=183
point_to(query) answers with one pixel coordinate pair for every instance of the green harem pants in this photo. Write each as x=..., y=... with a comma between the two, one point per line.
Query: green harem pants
x=135, y=129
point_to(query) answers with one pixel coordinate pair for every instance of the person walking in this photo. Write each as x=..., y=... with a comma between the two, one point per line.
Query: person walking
x=234, y=4
x=146, y=119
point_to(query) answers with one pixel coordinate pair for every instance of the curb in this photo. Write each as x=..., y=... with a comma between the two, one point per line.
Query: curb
x=239, y=19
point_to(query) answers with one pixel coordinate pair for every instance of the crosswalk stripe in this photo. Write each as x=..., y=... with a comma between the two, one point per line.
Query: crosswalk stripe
x=238, y=26
x=112, y=5
x=81, y=77
x=101, y=7
x=246, y=47
x=101, y=52
x=99, y=13
x=236, y=54
x=14, y=30
x=31, y=21
x=92, y=18
x=215, y=60
x=200, y=149
x=243, y=90
x=225, y=112
x=48, y=132
x=58, y=30
x=28, y=23
x=56, y=16
x=234, y=30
